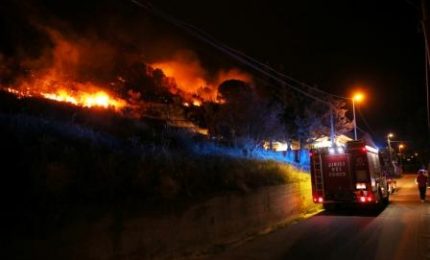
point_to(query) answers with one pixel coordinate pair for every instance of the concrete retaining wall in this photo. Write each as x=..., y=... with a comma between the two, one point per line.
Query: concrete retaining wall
x=217, y=221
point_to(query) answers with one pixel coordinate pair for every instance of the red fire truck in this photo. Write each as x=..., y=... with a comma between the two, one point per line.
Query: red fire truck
x=348, y=175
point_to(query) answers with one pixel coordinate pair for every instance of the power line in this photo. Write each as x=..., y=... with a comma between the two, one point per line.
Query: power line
x=263, y=64
x=366, y=123
x=243, y=58
x=362, y=130
x=427, y=90
x=427, y=59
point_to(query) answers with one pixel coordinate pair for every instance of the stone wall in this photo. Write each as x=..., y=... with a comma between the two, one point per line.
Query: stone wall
x=218, y=221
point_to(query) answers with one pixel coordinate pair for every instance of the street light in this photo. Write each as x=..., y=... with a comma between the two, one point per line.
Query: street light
x=401, y=146
x=358, y=97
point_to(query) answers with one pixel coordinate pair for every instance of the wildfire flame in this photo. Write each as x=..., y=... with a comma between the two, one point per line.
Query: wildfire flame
x=190, y=78
x=197, y=103
x=98, y=99
x=95, y=98
x=69, y=73
x=56, y=77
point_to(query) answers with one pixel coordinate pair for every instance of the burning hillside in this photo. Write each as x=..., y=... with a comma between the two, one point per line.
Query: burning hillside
x=191, y=78
x=85, y=95
x=89, y=73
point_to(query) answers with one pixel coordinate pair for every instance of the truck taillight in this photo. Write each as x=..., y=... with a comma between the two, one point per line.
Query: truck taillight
x=365, y=199
x=363, y=149
x=318, y=199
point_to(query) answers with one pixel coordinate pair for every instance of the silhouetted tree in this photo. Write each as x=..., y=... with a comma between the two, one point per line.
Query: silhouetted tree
x=244, y=119
x=314, y=121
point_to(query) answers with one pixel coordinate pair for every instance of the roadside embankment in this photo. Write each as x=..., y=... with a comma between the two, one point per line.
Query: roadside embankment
x=204, y=227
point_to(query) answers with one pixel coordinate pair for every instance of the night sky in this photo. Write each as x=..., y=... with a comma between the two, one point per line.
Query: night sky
x=339, y=46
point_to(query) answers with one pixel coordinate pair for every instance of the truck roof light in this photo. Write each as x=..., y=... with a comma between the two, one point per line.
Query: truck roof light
x=331, y=150
x=371, y=149
x=363, y=149
x=320, y=200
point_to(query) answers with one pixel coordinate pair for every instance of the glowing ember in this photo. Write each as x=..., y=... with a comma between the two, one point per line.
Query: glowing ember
x=197, y=103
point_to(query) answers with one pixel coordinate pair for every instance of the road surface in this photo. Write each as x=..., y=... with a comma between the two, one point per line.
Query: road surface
x=400, y=231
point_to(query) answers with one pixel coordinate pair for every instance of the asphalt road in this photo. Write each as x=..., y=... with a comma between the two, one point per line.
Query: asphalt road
x=400, y=231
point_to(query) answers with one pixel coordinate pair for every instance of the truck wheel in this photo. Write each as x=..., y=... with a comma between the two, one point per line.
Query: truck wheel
x=379, y=198
x=382, y=201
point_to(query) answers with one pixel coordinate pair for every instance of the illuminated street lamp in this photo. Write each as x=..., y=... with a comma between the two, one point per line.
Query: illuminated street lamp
x=358, y=97
x=390, y=135
x=401, y=146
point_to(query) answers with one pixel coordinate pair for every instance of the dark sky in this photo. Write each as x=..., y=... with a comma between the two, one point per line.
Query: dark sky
x=336, y=45
x=339, y=46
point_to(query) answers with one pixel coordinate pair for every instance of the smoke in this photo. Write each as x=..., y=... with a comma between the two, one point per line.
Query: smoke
x=192, y=79
x=70, y=57
x=118, y=58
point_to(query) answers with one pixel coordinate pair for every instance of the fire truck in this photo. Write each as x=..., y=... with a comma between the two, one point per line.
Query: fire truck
x=348, y=175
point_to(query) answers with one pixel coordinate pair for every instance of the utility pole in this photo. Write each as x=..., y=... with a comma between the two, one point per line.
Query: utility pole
x=332, y=126
x=425, y=28
x=389, y=146
x=424, y=23
x=355, y=120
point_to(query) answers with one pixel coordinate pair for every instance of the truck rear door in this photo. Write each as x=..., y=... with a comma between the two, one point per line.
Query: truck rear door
x=338, y=185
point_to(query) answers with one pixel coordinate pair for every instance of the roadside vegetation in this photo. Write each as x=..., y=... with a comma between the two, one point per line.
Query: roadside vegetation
x=59, y=162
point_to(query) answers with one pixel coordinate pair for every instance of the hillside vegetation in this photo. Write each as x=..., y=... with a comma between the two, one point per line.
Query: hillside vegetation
x=59, y=159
